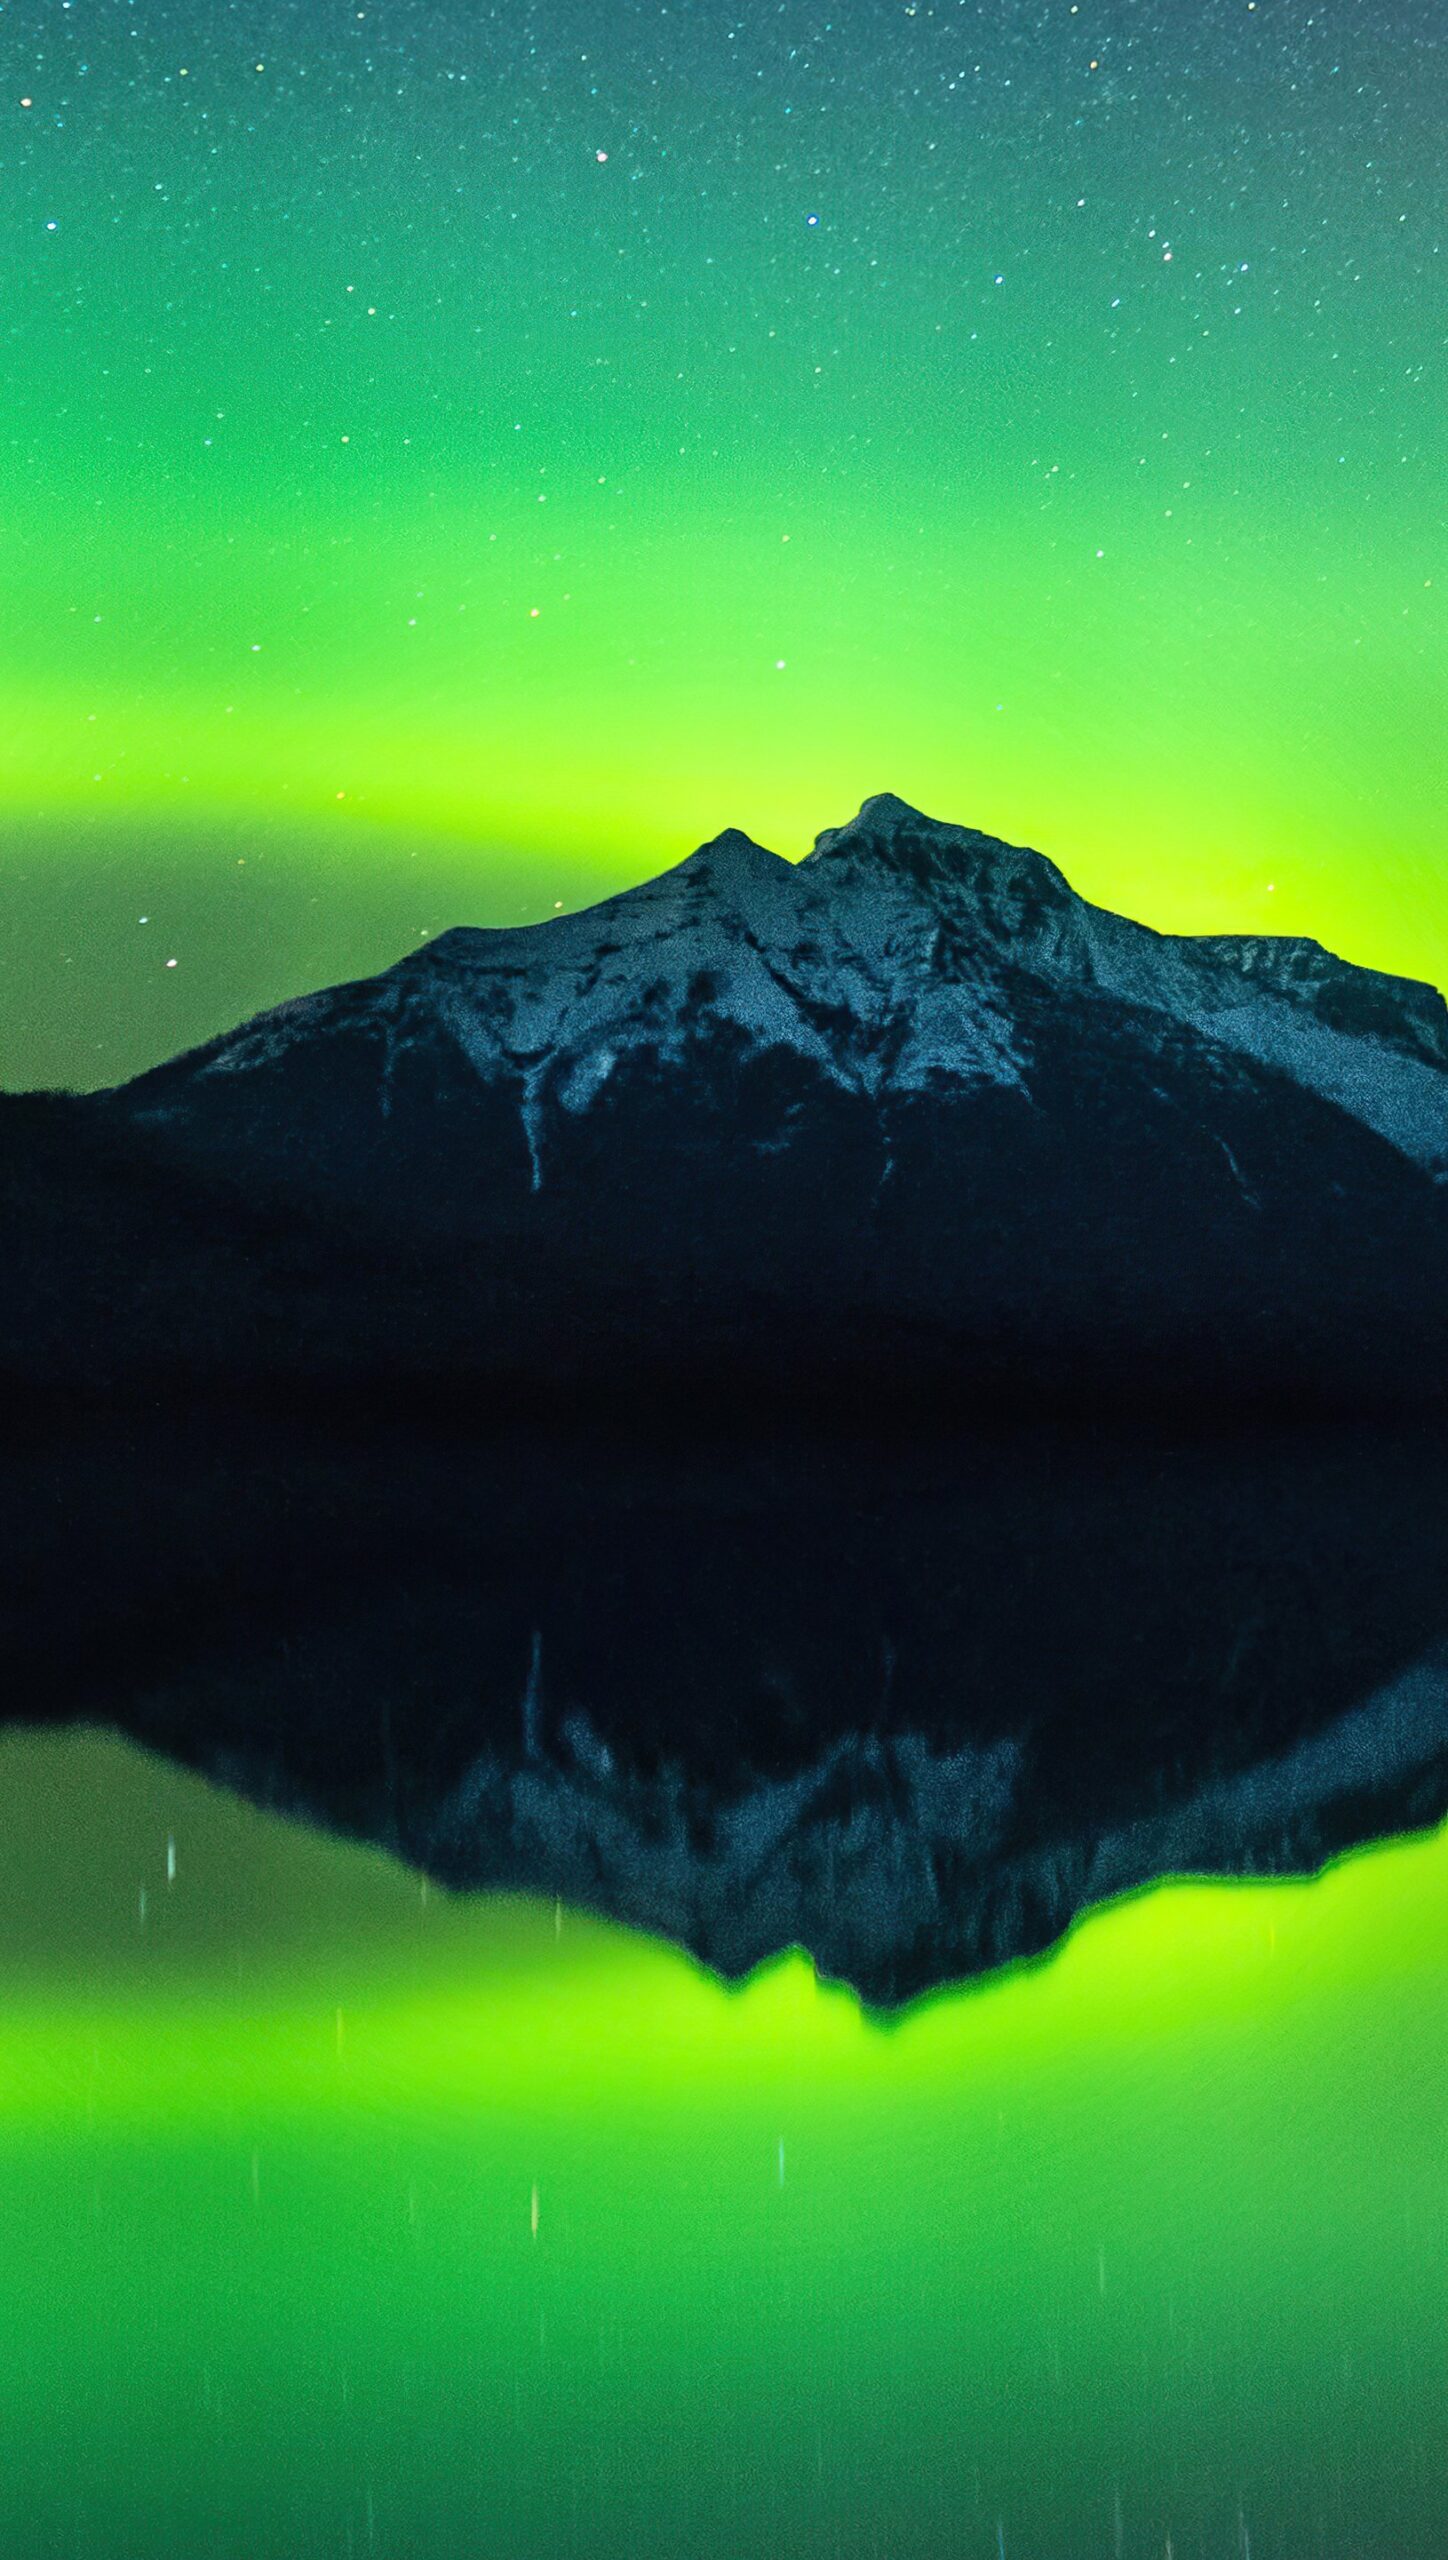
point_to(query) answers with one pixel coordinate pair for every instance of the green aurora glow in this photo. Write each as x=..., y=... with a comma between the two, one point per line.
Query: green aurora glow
x=404, y=514
x=406, y=509
x=1148, y=2240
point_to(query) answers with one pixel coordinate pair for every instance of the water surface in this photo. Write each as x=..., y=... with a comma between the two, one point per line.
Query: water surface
x=339, y=2215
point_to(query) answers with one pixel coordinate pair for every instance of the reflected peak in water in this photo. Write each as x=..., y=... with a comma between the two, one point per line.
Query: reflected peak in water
x=912, y=1714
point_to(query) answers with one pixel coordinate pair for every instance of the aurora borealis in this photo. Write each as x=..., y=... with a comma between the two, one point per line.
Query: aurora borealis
x=334, y=2221
x=457, y=458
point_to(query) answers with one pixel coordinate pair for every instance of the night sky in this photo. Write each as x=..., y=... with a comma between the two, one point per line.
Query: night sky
x=453, y=459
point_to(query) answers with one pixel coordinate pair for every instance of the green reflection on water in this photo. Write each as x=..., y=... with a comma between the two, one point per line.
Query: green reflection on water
x=335, y=2218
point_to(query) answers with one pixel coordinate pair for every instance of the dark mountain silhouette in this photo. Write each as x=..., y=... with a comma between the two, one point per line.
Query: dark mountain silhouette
x=906, y=1127
x=911, y=1711
x=764, y=1177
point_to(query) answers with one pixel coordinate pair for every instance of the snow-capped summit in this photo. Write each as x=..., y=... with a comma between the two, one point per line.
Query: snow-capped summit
x=902, y=953
x=946, y=862
x=908, y=1118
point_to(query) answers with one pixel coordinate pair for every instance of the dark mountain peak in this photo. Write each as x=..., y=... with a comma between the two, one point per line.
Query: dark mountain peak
x=887, y=826
x=885, y=813
x=733, y=851
x=727, y=867
x=940, y=857
x=730, y=867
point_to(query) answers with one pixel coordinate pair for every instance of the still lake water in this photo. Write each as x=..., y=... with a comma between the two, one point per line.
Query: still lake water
x=339, y=2217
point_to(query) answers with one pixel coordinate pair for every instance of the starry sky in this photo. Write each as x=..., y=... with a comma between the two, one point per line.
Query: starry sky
x=455, y=458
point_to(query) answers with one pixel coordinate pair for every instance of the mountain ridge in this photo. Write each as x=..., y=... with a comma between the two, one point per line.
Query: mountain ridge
x=904, y=1125
x=901, y=920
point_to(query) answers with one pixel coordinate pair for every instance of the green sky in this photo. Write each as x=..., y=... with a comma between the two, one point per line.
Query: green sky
x=458, y=459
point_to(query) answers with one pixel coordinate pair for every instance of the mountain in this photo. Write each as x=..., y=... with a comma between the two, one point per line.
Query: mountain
x=906, y=1122
x=913, y=1710
x=891, y=961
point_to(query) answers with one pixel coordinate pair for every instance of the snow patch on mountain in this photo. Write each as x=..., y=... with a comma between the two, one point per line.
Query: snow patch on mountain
x=894, y=958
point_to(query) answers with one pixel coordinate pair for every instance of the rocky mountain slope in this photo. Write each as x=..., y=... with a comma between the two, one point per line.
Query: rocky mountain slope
x=906, y=1123
x=889, y=961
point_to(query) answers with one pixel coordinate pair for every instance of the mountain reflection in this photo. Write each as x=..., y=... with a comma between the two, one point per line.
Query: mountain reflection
x=911, y=1712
